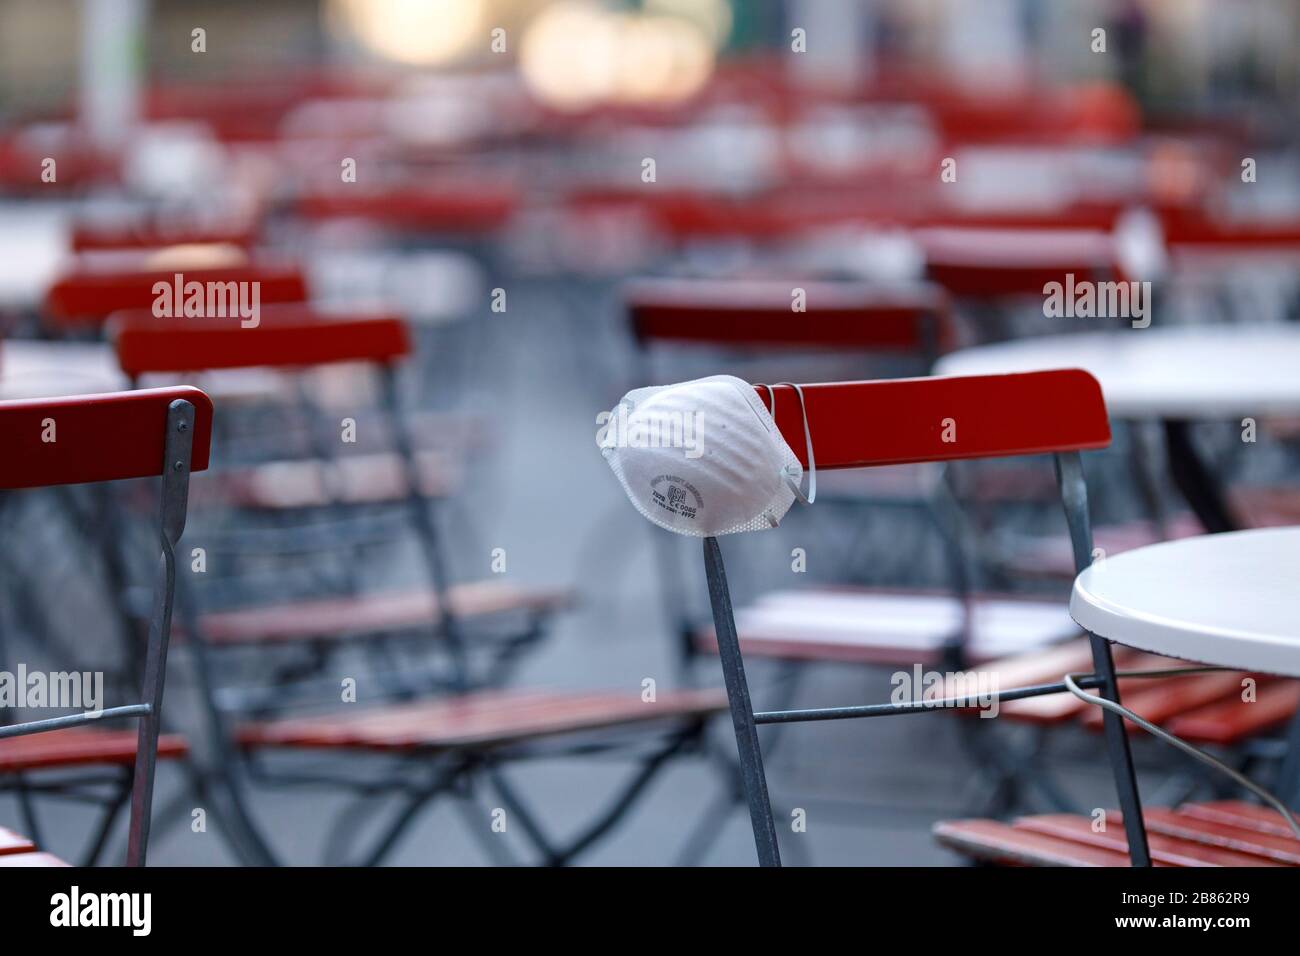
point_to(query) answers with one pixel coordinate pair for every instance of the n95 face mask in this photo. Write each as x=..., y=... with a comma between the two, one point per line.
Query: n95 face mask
x=703, y=458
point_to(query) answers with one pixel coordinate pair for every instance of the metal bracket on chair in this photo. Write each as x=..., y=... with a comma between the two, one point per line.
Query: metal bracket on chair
x=177, y=448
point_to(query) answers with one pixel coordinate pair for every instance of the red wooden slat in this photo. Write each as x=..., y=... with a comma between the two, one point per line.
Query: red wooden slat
x=1166, y=849
x=1057, y=708
x=101, y=437
x=983, y=263
x=901, y=421
x=90, y=294
x=1233, y=719
x=743, y=312
x=1240, y=814
x=31, y=859
x=1189, y=228
x=372, y=613
x=291, y=336
x=1161, y=699
x=476, y=208
x=78, y=746
x=11, y=842
x=148, y=234
x=1002, y=843
x=476, y=720
x=1284, y=849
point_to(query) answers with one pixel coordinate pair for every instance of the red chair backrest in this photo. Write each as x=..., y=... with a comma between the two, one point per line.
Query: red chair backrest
x=288, y=337
x=1194, y=229
x=102, y=437
x=156, y=234
x=910, y=420
x=989, y=263
x=743, y=312
x=89, y=295
x=468, y=209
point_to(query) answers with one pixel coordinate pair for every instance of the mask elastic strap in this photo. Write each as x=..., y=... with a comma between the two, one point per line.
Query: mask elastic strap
x=807, y=443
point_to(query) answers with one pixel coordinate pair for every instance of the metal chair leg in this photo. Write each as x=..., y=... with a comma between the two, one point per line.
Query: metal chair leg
x=1074, y=497
x=742, y=711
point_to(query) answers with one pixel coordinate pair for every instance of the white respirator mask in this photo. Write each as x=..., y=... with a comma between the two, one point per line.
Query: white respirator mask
x=705, y=457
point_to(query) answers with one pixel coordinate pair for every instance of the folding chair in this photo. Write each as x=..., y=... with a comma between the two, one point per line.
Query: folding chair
x=910, y=325
x=868, y=424
x=471, y=729
x=98, y=438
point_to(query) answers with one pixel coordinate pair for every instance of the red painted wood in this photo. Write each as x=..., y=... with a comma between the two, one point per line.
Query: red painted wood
x=476, y=720
x=101, y=437
x=31, y=859
x=743, y=312
x=287, y=336
x=477, y=208
x=1232, y=719
x=1161, y=699
x=373, y=613
x=1165, y=849
x=154, y=234
x=989, y=263
x=1240, y=814
x=78, y=746
x=1284, y=849
x=901, y=421
x=11, y=842
x=1002, y=843
x=1191, y=228
x=88, y=294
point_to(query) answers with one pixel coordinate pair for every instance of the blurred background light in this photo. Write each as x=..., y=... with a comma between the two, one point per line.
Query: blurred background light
x=415, y=32
x=577, y=54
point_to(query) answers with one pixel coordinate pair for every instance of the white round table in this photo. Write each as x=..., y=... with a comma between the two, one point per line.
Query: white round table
x=1190, y=372
x=1226, y=599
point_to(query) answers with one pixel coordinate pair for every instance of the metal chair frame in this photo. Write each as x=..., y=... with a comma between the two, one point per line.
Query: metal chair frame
x=842, y=440
x=110, y=441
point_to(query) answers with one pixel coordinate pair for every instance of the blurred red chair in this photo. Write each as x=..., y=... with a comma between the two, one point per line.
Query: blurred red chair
x=448, y=719
x=100, y=438
x=992, y=264
x=90, y=291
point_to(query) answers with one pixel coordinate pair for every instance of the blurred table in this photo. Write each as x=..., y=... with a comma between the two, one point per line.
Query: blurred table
x=41, y=368
x=38, y=369
x=1177, y=376
x=1199, y=372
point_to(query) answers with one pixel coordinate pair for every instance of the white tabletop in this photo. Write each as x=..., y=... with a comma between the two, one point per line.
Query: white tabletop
x=1193, y=372
x=1226, y=599
x=37, y=369
x=40, y=369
